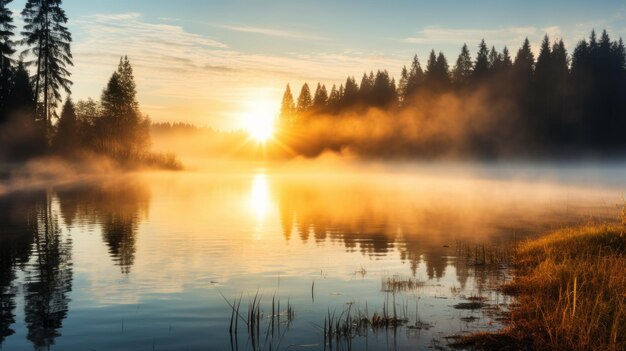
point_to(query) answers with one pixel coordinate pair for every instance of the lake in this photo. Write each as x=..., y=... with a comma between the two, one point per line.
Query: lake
x=154, y=261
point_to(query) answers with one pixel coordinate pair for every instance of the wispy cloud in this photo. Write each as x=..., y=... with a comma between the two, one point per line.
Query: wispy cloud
x=201, y=77
x=270, y=32
x=443, y=35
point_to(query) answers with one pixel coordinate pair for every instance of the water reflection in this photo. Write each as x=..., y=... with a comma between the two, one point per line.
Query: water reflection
x=48, y=279
x=18, y=215
x=140, y=241
x=259, y=200
x=117, y=207
x=32, y=240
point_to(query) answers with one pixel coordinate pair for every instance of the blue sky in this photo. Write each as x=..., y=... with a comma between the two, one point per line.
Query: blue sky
x=212, y=62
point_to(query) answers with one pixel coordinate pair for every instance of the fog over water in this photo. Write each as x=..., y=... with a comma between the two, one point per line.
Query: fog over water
x=142, y=260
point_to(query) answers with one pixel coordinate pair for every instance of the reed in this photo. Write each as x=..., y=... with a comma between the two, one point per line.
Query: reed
x=255, y=320
x=570, y=289
x=395, y=284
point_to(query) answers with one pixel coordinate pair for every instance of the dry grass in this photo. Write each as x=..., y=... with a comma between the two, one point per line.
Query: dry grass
x=571, y=291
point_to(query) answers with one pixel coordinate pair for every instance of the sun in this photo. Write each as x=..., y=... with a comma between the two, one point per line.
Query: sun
x=259, y=120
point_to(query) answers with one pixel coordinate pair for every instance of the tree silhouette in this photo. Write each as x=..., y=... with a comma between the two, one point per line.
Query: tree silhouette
x=305, y=102
x=18, y=215
x=500, y=107
x=287, y=109
x=48, y=281
x=350, y=94
x=48, y=40
x=415, y=80
x=384, y=91
x=334, y=98
x=463, y=68
x=67, y=137
x=320, y=101
x=366, y=88
x=121, y=130
x=7, y=49
x=481, y=66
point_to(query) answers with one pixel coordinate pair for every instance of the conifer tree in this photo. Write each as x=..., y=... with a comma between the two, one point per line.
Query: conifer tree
x=287, y=109
x=350, y=93
x=48, y=41
x=124, y=132
x=365, y=89
x=481, y=66
x=416, y=78
x=334, y=98
x=463, y=68
x=506, y=59
x=7, y=49
x=305, y=102
x=321, y=97
x=403, y=84
x=67, y=138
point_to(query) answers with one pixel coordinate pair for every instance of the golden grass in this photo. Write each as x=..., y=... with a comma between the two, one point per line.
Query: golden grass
x=571, y=290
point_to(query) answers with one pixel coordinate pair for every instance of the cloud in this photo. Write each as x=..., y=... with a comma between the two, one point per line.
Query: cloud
x=512, y=36
x=442, y=35
x=270, y=32
x=202, y=77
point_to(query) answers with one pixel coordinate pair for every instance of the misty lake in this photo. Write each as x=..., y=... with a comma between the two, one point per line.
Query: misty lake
x=153, y=261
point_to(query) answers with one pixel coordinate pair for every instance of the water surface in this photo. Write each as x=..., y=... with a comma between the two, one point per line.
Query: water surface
x=149, y=261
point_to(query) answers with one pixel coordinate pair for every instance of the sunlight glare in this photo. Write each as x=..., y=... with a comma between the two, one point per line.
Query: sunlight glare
x=259, y=200
x=259, y=120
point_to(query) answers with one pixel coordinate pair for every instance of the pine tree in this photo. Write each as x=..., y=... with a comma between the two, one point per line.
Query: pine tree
x=67, y=138
x=350, y=93
x=431, y=67
x=543, y=65
x=506, y=59
x=443, y=70
x=384, y=90
x=48, y=41
x=495, y=60
x=7, y=45
x=402, y=85
x=7, y=49
x=525, y=60
x=463, y=68
x=334, y=98
x=415, y=80
x=123, y=130
x=365, y=89
x=21, y=97
x=287, y=109
x=320, y=101
x=481, y=66
x=305, y=102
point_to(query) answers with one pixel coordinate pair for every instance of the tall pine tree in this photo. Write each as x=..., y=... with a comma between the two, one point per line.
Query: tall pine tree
x=48, y=41
x=7, y=49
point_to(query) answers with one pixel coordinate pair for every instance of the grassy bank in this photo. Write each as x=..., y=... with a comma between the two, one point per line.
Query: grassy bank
x=570, y=289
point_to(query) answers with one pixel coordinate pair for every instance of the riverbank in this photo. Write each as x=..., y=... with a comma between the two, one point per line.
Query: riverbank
x=570, y=289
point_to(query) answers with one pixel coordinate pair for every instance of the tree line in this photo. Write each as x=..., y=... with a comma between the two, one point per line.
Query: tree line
x=34, y=82
x=557, y=104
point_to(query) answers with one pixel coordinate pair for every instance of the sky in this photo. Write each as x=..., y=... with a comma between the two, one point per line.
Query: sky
x=215, y=63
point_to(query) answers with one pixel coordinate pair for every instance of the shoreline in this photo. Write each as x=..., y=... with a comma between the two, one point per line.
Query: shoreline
x=570, y=293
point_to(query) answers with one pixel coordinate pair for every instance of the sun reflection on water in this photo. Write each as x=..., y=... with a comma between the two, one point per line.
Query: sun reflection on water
x=259, y=200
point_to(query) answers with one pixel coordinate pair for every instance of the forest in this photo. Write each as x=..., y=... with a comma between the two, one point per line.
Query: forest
x=492, y=106
x=30, y=125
